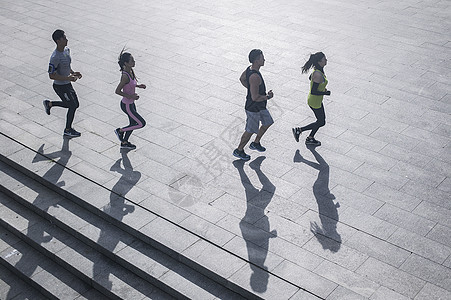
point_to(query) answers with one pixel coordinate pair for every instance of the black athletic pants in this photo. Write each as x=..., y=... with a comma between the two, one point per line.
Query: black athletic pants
x=320, y=121
x=69, y=100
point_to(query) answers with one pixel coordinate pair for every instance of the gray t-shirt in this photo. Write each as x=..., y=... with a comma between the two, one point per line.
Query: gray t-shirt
x=60, y=63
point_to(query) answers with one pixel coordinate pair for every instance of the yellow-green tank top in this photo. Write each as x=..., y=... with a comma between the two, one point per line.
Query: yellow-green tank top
x=315, y=100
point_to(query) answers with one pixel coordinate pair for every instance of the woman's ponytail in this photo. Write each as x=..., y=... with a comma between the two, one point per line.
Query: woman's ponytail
x=123, y=58
x=313, y=62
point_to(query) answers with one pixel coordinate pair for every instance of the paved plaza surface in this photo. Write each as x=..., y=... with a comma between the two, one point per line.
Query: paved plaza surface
x=367, y=215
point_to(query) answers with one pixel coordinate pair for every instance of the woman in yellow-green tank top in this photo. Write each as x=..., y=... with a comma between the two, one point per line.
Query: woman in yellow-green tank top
x=318, y=82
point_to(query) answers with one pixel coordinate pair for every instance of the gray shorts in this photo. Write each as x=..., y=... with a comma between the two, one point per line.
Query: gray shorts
x=253, y=119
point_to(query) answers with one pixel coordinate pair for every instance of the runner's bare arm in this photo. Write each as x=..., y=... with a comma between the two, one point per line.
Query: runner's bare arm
x=243, y=79
x=254, y=82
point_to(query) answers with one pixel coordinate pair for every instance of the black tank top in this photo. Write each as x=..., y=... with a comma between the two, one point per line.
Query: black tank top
x=254, y=106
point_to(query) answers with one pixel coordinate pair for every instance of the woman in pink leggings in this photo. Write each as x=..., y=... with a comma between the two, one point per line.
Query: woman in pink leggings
x=126, y=89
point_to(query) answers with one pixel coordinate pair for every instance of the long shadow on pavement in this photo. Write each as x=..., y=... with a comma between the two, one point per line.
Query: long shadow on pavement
x=116, y=208
x=257, y=200
x=326, y=232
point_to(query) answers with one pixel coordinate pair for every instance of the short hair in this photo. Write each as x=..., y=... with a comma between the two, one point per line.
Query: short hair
x=254, y=54
x=57, y=34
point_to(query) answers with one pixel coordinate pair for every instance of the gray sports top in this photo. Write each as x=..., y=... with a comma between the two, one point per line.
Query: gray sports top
x=60, y=63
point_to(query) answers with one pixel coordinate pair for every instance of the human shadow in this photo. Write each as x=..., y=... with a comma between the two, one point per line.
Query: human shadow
x=39, y=233
x=256, y=238
x=61, y=158
x=129, y=178
x=326, y=232
x=116, y=208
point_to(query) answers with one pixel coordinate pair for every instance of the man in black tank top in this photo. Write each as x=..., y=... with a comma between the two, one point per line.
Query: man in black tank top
x=255, y=106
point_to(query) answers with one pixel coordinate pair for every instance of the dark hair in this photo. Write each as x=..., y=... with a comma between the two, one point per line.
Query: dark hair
x=254, y=54
x=123, y=58
x=313, y=62
x=57, y=34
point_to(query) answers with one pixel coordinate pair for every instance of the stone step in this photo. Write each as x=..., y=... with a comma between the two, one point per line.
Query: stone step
x=76, y=260
x=45, y=278
x=86, y=228
x=12, y=286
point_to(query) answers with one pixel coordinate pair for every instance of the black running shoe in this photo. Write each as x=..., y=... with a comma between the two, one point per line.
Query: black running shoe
x=119, y=134
x=71, y=132
x=128, y=145
x=257, y=146
x=46, y=106
x=311, y=141
x=296, y=133
x=241, y=155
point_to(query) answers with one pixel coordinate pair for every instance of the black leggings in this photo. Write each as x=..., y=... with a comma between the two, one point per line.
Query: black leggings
x=69, y=100
x=136, y=121
x=320, y=121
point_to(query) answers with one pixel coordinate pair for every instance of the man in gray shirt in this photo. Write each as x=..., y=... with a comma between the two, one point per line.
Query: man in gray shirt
x=62, y=75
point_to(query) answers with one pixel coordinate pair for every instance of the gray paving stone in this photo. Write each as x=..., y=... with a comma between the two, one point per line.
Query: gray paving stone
x=440, y=234
x=22, y=158
x=162, y=231
x=303, y=295
x=308, y=280
x=445, y=185
x=420, y=245
x=427, y=193
x=147, y=259
x=418, y=174
x=344, y=293
x=166, y=208
x=433, y=212
x=354, y=129
x=386, y=293
x=286, y=229
x=215, y=259
x=429, y=271
x=378, y=175
x=263, y=284
x=378, y=248
x=258, y=255
x=349, y=197
x=405, y=219
x=344, y=162
x=393, y=196
x=432, y=292
x=286, y=208
x=351, y=281
x=367, y=223
x=93, y=172
x=407, y=156
x=371, y=157
x=207, y=230
x=391, y=277
x=438, y=166
x=339, y=253
x=447, y=262
x=325, y=223
x=9, y=148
